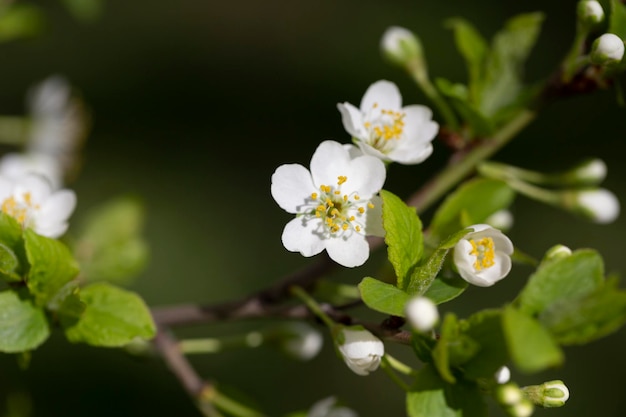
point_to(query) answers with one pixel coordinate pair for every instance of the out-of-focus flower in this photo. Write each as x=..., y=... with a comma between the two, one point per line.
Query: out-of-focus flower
x=608, y=49
x=483, y=257
x=400, y=45
x=422, y=313
x=501, y=219
x=590, y=12
x=300, y=340
x=328, y=408
x=16, y=165
x=600, y=205
x=360, y=349
x=336, y=203
x=502, y=375
x=32, y=202
x=383, y=128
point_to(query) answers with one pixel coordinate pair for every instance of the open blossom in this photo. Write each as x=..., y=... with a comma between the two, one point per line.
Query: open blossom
x=32, y=202
x=336, y=203
x=383, y=128
x=483, y=257
x=360, y=349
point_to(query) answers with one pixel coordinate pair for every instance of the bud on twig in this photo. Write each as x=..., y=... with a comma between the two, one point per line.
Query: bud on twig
x=422, y=313
x=400, y=46
x=608, y=49
x=590, y=12
x=549, y=394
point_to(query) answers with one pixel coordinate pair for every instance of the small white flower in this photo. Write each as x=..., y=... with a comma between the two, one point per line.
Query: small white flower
x=502, y=375
x=501, y=219
x=400, y=45
x=336, y=203
x=360, y=349
x=483, y=257
x=32, y=202
x=301, y=341
x=590, y=11
x=327, y=408
x=607, y=49
x=600, y=205
x=385, y=129
x=16, y=165
x=422, y=313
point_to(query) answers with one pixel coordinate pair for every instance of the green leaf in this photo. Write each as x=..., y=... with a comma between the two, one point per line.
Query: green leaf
x=617, y=20
x=580, y=321
x=51, y=266
x=13, y=244
x=84, y=10
x=404, y=237
x=485, y=328
x=23, y=326
x=472, y=46
x=445, y=289
x=423, y=276
x=461, y=100
x=473, y=202
x=113, y=317
x=9, y=264
x=562, y=279
x=20, y=21
x=531, y=347
x=449, y=333
x=510, y=48
x=383, y=297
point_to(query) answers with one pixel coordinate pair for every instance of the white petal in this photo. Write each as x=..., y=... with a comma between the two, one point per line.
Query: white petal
x=384, y=94
x=52, y=231
x=368, y=149
x=352, y=120
x=57, y=208
x=374, y=218
x=302, y=235
x=366, y=176
x=38, y=187
x=489, y=276
x=6, y=188
x=353, y=151
x=411, y=156
x=348, y=250
x=329, y=161
x=291, y=185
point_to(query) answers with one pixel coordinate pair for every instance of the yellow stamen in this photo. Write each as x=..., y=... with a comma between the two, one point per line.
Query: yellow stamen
x=370, y=205
x=314, y=196
x=485, y=252
x=341, y=179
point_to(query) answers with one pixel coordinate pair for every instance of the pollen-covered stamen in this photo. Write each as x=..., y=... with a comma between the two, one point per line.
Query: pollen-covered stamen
x=340, y=212
x=383, y=126
x=485, y=253
x=19, y=209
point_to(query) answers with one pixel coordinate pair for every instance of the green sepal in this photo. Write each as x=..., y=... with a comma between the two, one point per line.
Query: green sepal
x=23, y=325
x=562, y=279
x=530, y=345
x=51, y=266
x=383, y=297
x=404, y=238
x=112, y=317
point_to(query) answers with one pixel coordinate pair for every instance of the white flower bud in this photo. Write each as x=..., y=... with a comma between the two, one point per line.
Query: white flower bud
x=360, y=349
x=601, y=205
x=301, y=341
x=400, y=45
x=502, y=375
x=483, y=257
x=523, y=408
x=590, y=12
x=422, y=313
x=509, y=394
x=328, y=408
x=557, y=252
x=592, y=171
x=607, y=49
x=501, y=219
x=549, y=394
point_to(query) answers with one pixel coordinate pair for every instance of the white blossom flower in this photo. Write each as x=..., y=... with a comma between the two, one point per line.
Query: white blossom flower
x=422, y=313
x=600, y=205
x=383, y=128
x=607, y=49
x=360, y=349
x=400, y=45
x=483, y=257
x=328, y=408
x=32, y=202
x=16, y=165
x=336, y=203
x=502, y=375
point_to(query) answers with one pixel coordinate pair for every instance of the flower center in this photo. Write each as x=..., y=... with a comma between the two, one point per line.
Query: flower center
x=383, y=127
x=339, y=212
x=19, y=210
x=484, y=250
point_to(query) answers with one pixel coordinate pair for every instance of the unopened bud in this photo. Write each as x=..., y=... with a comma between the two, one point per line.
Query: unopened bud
x=549, y=394
x=600, y=205
x=422, y=313
x=360, y=349
x=608, y=49
x=590, y=172
x=557, y=252
x=400, y=46
x=501, y=219
x=502, y=375
x=590, y=12
x=509, y=394
x=523, y=408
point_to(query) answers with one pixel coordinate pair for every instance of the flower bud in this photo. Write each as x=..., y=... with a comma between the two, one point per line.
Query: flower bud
x=400, y=46
x=557, y=252
x=523, y=408
x=608, y=49
x=509, y=394
x=590, y=12
x=360, y=349
x=590, y=172
x=600, y=205
x=502, y=375
x=549, y=394
x=300, y=340
x=422, y=313
x=328, y=408
x=501, y=219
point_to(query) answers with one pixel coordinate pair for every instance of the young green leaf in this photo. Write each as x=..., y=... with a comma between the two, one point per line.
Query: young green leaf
x=113, y=317
x=9, y=264
x=403, y=237
x=383, y=297
x=475, y=200
x=617, y=21
x=449, y=332
x=531, y=347
x=23, y=326
x=460, y=98
x=485, y=328
x=51, y=266
x=443, y=289
x=473, y=47
x=562, y=279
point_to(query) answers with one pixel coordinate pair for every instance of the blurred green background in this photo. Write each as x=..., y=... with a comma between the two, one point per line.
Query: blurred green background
x=195, y=103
